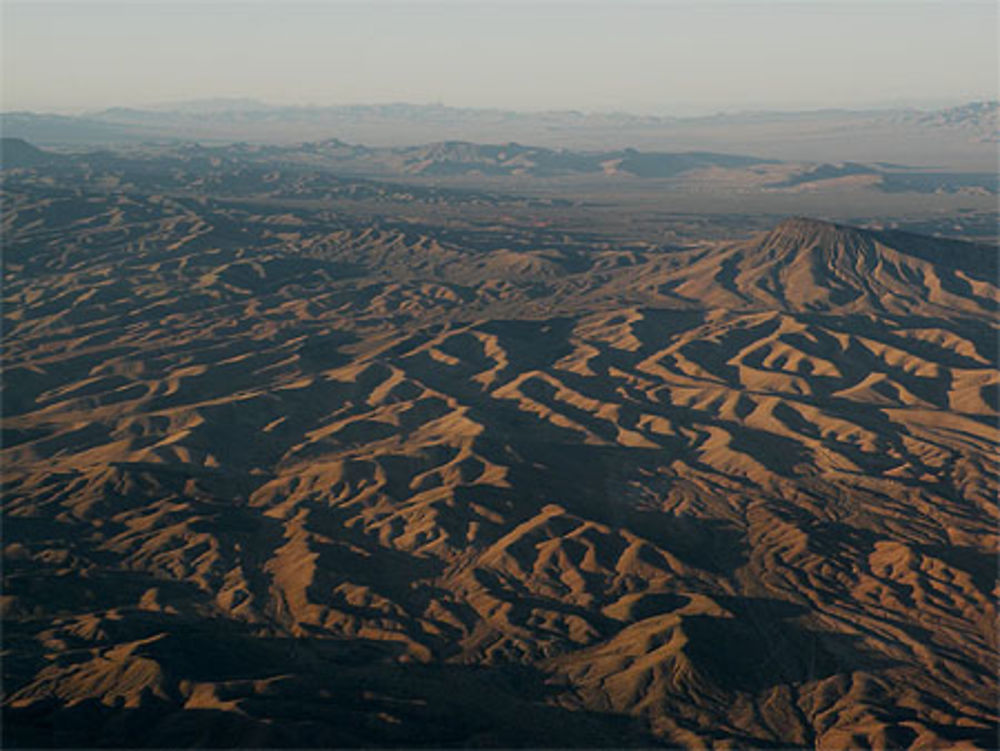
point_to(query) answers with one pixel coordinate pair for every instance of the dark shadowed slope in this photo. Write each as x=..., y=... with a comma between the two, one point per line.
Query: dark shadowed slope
x=16, y=152
x=277, y=476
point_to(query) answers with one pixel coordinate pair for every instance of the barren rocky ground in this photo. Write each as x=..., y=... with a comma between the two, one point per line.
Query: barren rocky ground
x=281, y=473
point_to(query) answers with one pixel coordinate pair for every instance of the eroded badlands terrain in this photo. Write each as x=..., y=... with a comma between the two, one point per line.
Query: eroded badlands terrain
x=279, y=474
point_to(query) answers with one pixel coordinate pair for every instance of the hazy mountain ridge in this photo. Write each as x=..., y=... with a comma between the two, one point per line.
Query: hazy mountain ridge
x=980, y=118
x=971, y=112
x=938, y=138
x=461, y=160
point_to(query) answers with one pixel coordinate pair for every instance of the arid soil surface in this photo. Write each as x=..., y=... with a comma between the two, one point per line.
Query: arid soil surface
x=278, y=474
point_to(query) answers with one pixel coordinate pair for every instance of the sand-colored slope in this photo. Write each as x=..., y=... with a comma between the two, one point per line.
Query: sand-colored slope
x=367, y=486
x=808, y=265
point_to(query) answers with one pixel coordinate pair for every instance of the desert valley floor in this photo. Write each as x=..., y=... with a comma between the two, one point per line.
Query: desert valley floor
x=284, y=472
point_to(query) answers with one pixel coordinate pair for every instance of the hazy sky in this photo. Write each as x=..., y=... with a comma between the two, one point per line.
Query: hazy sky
x=657, y=57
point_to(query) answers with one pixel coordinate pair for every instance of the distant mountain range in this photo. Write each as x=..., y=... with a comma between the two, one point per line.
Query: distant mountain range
x=957, y=137
x=454, y=158
x=971, y=113
x=457, y=163
x=982, y=118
